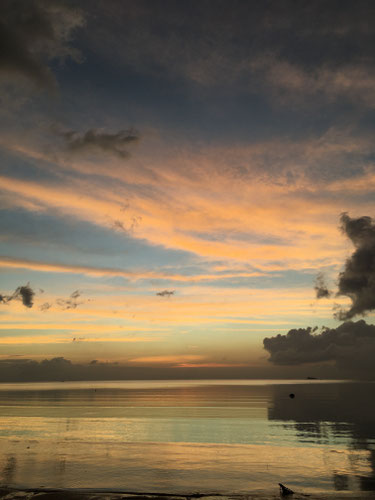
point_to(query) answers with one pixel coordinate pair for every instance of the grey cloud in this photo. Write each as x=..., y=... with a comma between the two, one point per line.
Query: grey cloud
x=33, y=33
x=25, y=293
x=44, y=307
x=117, y=224
x=351, y=346
x=71, y=302
x=321, y=288
x=357, y=280
x=307, y=48
x=94, y=141
x=165, y=293
x=128, y=227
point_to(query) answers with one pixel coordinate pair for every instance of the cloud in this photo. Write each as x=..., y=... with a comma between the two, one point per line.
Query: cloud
x=130, y=227
x=94, y=141
x=292, y=82
x=12, y=263
x=246, y=45
x=165, y=293
x=25, y=293
x=33, y=33
x=71, y=302
x=357, y=280
x=321, y=288
x=351, y=346
x=44, y=307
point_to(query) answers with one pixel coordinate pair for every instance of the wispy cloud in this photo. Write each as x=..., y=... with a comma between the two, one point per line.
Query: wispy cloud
x=165, y=293
x=167, y=360
x=321, y=288
x=97, y=141
x=9, y=262
x=71, y=302
x=53, y=339
x=248, y=47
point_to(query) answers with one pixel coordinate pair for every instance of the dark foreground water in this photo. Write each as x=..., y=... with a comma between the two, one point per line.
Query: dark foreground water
x=181, y=436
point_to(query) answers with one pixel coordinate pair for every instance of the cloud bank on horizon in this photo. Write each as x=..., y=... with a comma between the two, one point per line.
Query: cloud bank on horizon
x=198, y=150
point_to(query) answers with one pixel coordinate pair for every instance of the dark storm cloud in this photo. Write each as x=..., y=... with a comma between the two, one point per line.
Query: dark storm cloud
x=351, y=345
x=94, y=141
x=357, y=280
x=321, y=288
x=165, y=293
x=33, y=33
x=24, y=293
x=71, y=302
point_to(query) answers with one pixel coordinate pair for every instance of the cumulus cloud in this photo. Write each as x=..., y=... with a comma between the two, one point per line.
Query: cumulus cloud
x=357, y=280
x=94, y=141
x=165, y=293
x=321, y=287
x=24, y=293
x=33, y=33
x=71, y=302
x=351, y=346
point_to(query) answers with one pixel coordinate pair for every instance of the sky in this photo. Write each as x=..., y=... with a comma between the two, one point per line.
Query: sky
x=187, y=188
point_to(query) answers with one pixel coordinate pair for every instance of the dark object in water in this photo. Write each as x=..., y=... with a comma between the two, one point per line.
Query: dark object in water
x=291, y=396
x=311, y=378
x=284, y=490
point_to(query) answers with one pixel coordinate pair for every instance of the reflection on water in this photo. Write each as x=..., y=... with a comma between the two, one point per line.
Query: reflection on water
x=9, y=469
x=339, y=413
x=181, y=437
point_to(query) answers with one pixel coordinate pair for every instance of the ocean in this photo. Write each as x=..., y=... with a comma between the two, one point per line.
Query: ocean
x=182, y=437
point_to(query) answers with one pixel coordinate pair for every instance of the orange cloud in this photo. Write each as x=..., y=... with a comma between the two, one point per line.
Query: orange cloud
x=9, y=262
x=171, y=359
x=44, y=339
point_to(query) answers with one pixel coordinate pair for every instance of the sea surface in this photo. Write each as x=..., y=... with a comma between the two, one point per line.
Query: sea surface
x=228, y=436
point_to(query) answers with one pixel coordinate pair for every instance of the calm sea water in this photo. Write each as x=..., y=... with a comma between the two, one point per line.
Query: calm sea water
x=182, y=436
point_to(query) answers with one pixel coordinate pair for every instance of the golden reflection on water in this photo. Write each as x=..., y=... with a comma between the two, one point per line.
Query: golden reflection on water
x=198, y=437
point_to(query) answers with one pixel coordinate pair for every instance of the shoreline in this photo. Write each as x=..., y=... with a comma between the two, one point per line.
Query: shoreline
x=10, y=493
